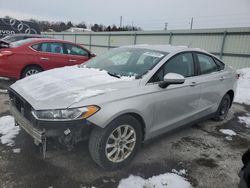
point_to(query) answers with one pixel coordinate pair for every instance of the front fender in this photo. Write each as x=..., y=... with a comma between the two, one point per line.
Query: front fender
x=111, y=111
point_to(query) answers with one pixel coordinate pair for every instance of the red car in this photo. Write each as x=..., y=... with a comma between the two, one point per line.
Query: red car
x=26, y=57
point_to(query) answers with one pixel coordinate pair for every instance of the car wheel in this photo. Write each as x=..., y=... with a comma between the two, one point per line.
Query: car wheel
x=223, y=109
x=30, y=71
x=115, y=145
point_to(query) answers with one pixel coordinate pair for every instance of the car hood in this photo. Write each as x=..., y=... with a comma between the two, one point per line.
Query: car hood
x=60, y=88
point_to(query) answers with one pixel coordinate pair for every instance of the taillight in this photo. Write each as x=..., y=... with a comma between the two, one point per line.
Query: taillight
x=6, y=53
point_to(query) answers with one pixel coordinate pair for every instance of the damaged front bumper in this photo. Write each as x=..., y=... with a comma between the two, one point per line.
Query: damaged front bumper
x=68, y=132
x=37, y=134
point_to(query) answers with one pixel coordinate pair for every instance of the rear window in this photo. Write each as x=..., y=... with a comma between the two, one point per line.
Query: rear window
x=52, y=47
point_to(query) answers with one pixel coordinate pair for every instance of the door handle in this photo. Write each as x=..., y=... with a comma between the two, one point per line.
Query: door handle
x=193, y=84
x=72, y=60
x=44, y=58
x=222, y=78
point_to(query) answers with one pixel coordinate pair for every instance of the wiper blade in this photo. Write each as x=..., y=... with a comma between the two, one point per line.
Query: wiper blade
x=114, y=75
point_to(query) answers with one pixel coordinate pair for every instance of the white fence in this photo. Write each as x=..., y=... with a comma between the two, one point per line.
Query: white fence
x=231, y=45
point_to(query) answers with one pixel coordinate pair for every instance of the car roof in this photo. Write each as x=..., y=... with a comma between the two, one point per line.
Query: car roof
x=46, y=40
x=33, y=41
x=23, y=34
x=165, y=48
x=50, y=39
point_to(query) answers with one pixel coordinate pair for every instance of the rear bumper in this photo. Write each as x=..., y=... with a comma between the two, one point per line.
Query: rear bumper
x=7, y=71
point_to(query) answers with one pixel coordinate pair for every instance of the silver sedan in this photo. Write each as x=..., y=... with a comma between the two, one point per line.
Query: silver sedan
x=123, y=98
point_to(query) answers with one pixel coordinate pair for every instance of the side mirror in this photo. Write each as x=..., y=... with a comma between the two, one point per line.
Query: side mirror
x=91, y=54
x=172, y=78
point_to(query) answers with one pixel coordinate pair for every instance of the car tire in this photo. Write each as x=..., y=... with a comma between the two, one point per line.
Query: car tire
x=30, y=70
x=223, y=108
x=111, y=151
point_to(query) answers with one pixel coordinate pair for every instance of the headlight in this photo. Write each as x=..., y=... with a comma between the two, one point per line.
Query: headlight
x=66, y=114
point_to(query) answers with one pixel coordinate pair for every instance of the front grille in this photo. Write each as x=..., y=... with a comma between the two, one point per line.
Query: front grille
x=37, y=134
x=21, y=104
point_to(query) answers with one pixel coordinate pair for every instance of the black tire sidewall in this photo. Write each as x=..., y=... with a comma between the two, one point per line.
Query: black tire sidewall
x=122, y=120
x=220, y=117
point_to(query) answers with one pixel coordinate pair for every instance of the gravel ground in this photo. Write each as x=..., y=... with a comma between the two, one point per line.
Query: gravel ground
x=211, y=159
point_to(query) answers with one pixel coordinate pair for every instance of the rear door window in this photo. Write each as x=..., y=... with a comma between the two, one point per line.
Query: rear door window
x=206, y=64
x=50, y=47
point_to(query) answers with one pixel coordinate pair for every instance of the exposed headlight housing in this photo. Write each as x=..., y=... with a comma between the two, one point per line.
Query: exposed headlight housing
x=66, y=114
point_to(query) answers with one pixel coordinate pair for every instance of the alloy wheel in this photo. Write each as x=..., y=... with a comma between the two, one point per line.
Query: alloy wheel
x=120, y=143
x=31, y=72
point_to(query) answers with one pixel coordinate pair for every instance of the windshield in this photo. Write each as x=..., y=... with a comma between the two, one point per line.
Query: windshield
x=20, y=42
x=127, y=61
x=6, y=37
x=12, y=38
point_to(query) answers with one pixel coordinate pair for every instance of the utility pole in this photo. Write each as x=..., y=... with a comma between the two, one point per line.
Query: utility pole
x=166, y=26
x=120, y=21
x=191, y=24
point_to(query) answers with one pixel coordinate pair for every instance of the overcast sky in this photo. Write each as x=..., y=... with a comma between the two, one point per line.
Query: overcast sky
x=148, y=14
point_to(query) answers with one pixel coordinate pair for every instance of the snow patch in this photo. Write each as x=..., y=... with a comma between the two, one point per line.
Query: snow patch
x=229, y=138
x=16, y=150
x=180, y=172
x=4, y=78
x=228, y=132
x=3, y=91
x=173, y=76
x=8, y=130
x=64, y=82
x=123, y=78
x=245, y=120
x=168, y=180
x=80, y=95
x=243, y=90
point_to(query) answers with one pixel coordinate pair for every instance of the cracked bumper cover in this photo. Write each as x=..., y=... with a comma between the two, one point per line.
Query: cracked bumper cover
x=40, y=130
x=38, y=135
